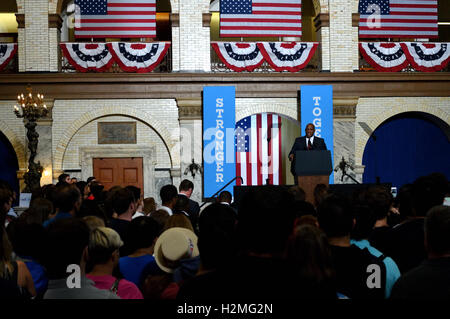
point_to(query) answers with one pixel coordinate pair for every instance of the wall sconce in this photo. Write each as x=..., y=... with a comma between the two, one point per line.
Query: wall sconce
x=193, y=168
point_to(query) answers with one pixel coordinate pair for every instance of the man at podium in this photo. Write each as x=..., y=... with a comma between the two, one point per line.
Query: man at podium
x=309, y=142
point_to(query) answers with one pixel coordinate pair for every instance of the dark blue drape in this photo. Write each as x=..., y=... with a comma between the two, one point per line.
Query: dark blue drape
x=406, y=148
x=8, y=163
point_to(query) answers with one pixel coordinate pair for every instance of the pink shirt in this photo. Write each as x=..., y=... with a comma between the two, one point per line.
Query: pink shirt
x=126, y=289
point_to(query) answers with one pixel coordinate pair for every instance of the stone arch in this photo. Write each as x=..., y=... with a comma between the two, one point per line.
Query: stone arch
x=17, y=145
x=376, y=121
x=88, y=117
x=267, y=108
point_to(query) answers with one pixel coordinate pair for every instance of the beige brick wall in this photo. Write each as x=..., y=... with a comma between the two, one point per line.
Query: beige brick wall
x=54, y=55
x=374, y=111
x=88, y=136
x=36, y=36
x=192, y=34
x=342, y=47
x=284, y=106
x=71, y=115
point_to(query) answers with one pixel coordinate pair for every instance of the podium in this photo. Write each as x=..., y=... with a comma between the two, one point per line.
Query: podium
x=312, y=168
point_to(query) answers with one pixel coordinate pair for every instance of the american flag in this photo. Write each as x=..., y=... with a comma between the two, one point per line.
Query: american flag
x=115, y=18
x=398, y=19
x=260, y=18
x=258, y=149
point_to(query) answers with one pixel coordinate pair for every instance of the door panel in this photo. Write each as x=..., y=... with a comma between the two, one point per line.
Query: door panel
x=119, y=171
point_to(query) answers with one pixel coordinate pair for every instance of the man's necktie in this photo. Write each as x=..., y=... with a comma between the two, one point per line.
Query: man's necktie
x=309, y=144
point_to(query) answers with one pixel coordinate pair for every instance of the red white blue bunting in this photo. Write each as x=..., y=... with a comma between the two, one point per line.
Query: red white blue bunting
x=427, y=57
x=138, y=57
x=384, y=56
x=88, y=56
x=288, y=56
x=7, y=52
x=239, y=56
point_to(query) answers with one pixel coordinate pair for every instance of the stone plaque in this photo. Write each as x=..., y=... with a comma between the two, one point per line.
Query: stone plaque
x=116, y=132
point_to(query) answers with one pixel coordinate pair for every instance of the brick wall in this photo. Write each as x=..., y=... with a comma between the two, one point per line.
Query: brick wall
x=88, y=136
x=71, y=115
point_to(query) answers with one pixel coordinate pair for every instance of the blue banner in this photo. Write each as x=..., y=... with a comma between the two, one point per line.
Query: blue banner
x=219, y=122
x=317, y=108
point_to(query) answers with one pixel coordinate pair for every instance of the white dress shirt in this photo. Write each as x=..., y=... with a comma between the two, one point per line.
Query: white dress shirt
x=311, y=139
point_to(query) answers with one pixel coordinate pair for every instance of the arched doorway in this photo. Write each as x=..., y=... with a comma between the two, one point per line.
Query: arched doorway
x=9, y=164
x=405, y=147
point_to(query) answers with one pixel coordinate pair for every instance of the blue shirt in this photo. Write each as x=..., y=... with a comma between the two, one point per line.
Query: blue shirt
x=392, y=271
x=60, y=215
x=135, y=269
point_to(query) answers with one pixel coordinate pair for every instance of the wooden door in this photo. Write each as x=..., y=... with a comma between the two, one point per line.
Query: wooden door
x=119, y=171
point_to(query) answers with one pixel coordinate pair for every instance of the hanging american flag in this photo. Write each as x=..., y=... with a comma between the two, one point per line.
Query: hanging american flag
x=115, y=18
x=258, y=149
x=260, y=18
x=398, y=19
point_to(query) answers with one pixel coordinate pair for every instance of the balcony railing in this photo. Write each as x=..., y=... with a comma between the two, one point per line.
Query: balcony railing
x=165, y=66
x=13, y=66
x=218, y=66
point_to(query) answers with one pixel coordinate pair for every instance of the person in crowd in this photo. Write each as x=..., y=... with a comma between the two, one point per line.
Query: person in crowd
x=103, y=254
x=39, y=211
x=73, y=180
x=81, y=187
x=12, y=273
x=143, y=232
x=94, y=191
x=225, y=198
x=185, y=189
x=182, y=207
x=301, y=206
x=93, y=222
x=169, y=195
x=178, y=220
x=63, y=179
x=309, y=251
x=320, y=192
x=431, y=279
x=148, y=206
x=27, y=239
x=160, y=216
x=65, y=260
x=124, y=206
x=108, y=203
x=351, y=263
x=217, y=248
x=260, y=269
x=10, y=214
x=407, y=239
x=68, y=202
x=91, y=179
x=379, y=199
x=177, y=255
x=138, y=202
x=365, y=218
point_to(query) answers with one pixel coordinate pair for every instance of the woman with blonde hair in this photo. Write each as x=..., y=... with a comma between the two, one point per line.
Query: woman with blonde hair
x=103, y=254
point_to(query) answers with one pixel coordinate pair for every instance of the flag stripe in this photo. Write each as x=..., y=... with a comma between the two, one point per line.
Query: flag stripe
x=269, y=149
x=405, y=18
x=120, y=18
x=260, y=160
x=262, y=15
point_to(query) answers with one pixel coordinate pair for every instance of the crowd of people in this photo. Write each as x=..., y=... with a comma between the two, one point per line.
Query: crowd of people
x=78, y=240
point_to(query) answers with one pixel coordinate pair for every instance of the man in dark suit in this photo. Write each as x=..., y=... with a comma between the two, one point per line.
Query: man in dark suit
x=309, y=142
x=186, y=188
